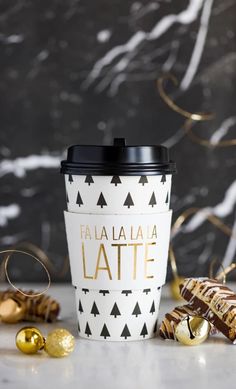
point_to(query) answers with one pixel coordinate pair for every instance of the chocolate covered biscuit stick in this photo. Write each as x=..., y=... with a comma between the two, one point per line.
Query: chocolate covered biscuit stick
x=213, y=301
x=172, y=319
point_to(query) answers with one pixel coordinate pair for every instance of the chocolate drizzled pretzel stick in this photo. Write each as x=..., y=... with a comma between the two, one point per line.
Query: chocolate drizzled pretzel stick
x=15, y=306
x=213, y=301
x=172, y=319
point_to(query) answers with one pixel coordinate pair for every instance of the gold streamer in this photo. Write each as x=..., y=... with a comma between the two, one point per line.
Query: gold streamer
x=173, y=262
x=6, y=260
x=211, y=273
x=214, y=220
x=211, y=218
x=190, y=116
x=226, y=271
x=41, y=255
x=193, y=116
x=204, y=142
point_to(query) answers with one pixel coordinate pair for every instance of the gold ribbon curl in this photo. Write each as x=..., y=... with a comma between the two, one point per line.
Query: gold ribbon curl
x=41, y=255
x=188, y=125
x=193, y=116
x=190, y=116
x=6, y=260
x=214, y=220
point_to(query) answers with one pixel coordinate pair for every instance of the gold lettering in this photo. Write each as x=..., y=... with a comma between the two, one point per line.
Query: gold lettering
x=154, y=232
x=81, y=231
x=118, y=258
x=84, y=264
x=87, y=233
x=98, y=267
x=104, y=233
x=113, y=234
x=139, y=233
x=122, y=234
x=146, y=259
x=135, y=246
x=96, y=236
x=131, y=233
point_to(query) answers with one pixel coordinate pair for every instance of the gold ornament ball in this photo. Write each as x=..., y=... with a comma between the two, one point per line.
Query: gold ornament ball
x=174, y=288
x=11, y=311
x=29, y=340
x=59, y=343
x=192, y=330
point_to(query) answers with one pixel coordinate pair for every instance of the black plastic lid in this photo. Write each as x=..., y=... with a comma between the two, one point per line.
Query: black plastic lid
x=118, y=159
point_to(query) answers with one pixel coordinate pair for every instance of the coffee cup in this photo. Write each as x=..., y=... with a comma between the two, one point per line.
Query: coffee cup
x=118, y=229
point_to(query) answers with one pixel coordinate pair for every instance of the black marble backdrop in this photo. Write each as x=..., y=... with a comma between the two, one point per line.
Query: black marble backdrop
x=83, y=71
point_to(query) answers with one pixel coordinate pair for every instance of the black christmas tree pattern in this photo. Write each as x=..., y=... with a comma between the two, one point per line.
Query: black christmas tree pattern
x=89, y=180
x=125, y=333
x=115, y=311
x=116, y=180
x=143, y=180
x=167, y=198
x=101, y=201
x=80, y=307
x=91, y=328
x=136, y=310
x=152, y=310
x=79, y=200
x=94, y=310
x=152, y=201
x=105, y=332
x=70, y=178
x=155, y=327
x=87, y=330
x=104, y=292
x=129, y=201
x=144, y=331
x=163, y=179
x=126, y=292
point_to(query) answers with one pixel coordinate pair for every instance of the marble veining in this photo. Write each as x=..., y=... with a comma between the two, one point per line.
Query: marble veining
x=20, y=166
x=9, y=212
x=130, y=48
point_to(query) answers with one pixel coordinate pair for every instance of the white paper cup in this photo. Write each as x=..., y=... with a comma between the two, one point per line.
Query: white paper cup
x=118, y=230
x=117, y=315
x=129, y=196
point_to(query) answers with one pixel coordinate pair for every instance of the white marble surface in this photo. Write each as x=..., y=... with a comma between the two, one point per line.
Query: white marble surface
x=126, y=365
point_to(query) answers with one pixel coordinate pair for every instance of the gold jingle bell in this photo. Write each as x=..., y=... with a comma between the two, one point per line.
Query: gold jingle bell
x=192, y=330
x=59, y=343
x=174, y=288
x=29, y=340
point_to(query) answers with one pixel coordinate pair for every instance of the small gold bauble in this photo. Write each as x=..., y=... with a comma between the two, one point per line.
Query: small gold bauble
x=29, y=340
x=11, y=311
x=192, y=330
x=59, y=343
x=174, y=287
